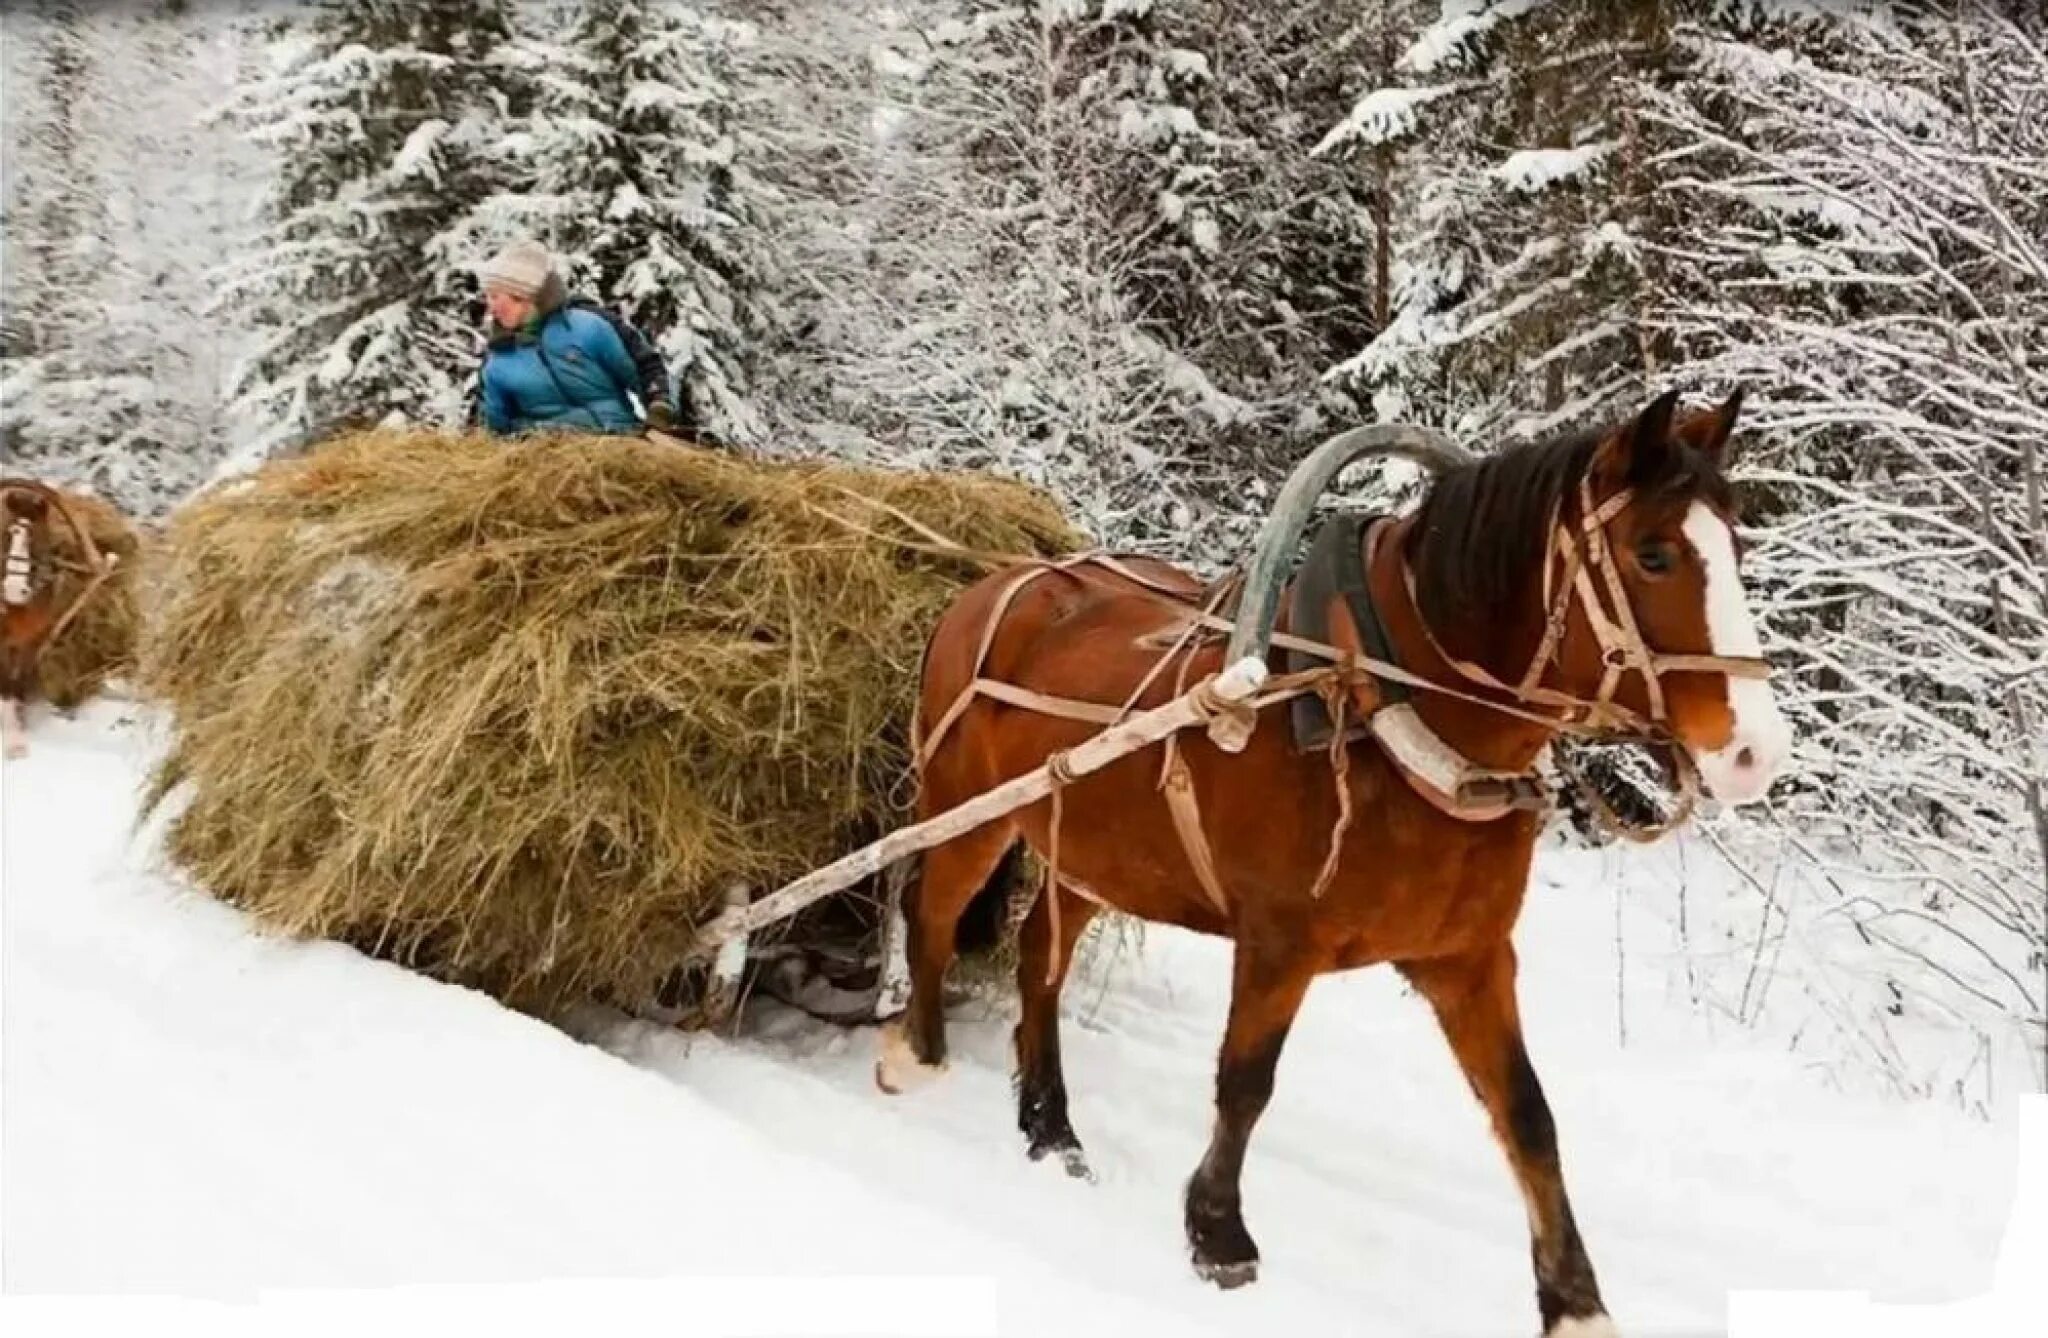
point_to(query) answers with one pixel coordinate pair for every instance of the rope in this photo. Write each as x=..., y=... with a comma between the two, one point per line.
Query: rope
x=1338, y=702
x=1059, y=766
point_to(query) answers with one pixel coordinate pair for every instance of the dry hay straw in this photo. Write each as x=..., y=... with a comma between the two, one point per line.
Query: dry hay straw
x=517, y=714
x=98, y=644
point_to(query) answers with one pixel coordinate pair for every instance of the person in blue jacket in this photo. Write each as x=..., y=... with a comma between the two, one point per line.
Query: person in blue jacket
x=553, y=363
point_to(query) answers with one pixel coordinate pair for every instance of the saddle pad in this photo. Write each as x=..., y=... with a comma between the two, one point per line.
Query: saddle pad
x=1332, y=567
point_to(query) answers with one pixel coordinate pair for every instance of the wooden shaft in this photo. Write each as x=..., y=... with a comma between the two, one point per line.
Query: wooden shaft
x=1140, y=731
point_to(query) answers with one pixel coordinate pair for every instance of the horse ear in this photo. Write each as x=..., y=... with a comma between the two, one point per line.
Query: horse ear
x=1641, y=451
x=1717, y=446
x=27, y=505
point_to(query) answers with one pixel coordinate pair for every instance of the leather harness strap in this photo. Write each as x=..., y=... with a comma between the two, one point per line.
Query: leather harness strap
x=1365, y=610
x=1443, y=777
x=1178, y=785
x=1620, y=639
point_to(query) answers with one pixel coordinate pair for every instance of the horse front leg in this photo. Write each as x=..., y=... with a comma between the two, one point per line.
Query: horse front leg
x=1474, y=999
x=12, y=730
x=1268, y=984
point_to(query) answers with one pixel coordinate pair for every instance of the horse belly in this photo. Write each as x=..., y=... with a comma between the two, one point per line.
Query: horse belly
x=1115, y=841
x=1445, y=888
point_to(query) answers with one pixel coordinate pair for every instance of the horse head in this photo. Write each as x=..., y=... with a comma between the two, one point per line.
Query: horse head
x=25, y=544
x=1607, y=566
x=1677, y=558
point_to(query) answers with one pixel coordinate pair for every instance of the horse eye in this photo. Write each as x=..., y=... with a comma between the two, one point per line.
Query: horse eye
x=1656, y=557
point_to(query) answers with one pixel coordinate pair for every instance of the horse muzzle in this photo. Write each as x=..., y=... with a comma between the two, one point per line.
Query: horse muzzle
x=1741, y=770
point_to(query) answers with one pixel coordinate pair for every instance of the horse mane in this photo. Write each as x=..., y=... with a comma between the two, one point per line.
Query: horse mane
x=1481, y=529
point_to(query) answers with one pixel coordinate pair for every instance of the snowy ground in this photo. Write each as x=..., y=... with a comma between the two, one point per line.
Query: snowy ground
x=189, y=1109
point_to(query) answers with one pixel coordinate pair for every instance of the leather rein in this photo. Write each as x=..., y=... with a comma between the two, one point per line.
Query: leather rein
x=1570, y=568
x=1579, y=565
x=1446, y=779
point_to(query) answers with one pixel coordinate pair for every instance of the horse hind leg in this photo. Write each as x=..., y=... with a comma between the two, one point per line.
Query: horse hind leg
x=913, y=1047
x=1045, y=954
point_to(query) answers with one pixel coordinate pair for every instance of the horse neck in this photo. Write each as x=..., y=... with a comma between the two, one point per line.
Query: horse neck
x=1500, y=641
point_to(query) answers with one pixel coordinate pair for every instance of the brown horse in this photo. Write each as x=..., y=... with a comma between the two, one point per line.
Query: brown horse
x=32, y=615
x=27, y=604
x=1585, y=579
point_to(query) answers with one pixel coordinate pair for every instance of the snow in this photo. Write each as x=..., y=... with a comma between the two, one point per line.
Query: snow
x=416, y=156
x=1533, y=169
x=1380, y=117
x=1458, y=27
x=198, y=1110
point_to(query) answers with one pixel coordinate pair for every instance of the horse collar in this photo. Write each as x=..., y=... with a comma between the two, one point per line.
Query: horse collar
x=1338, y=564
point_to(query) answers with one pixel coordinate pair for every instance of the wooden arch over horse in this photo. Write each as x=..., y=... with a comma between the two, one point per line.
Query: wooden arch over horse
x=1390, y=815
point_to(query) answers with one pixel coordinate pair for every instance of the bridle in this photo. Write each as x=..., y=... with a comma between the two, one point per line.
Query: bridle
x=1584, y=557
x=1570, y=565
x=18, y=583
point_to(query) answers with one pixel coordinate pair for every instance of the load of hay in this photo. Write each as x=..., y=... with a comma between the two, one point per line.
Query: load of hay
x=98, y=644
x=518, y=715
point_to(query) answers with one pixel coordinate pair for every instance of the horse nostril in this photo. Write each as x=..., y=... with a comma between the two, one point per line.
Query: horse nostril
x=1746, y=758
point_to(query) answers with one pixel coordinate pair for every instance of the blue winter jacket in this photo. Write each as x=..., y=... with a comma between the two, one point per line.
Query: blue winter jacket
x=567, y=369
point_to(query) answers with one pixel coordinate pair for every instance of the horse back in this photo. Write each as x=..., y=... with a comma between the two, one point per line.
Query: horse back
x=1086, y=631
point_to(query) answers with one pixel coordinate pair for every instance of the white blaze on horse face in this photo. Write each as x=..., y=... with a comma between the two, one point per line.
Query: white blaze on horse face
x=1742, y=769
x=14, y=587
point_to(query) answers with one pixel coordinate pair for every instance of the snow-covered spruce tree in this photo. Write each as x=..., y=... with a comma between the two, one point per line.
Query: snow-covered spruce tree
x=111, y=378
x=1265, y=280
x=1519, y=217
x=54, y=233
x=1248, y=245
x=1867, y=256
x=940, y=194
x=1080, y=243
x=628, y=169
x=388, y=124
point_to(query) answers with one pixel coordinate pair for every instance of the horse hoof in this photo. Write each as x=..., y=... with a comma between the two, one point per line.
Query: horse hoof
x=899, y=1070
x=1228, y=1276
x=1072, y=1159
x=1224, y=1252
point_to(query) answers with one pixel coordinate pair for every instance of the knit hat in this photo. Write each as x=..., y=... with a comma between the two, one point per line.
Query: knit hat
x=521, y=268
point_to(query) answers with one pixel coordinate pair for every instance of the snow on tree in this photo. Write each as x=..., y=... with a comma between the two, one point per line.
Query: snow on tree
x=1520, y=217
x=628, y=168
x=937, y=197
x=1867, y=256
x=1249, y=244
x=118, y=198
x=1080, y=243
x=388, y=124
